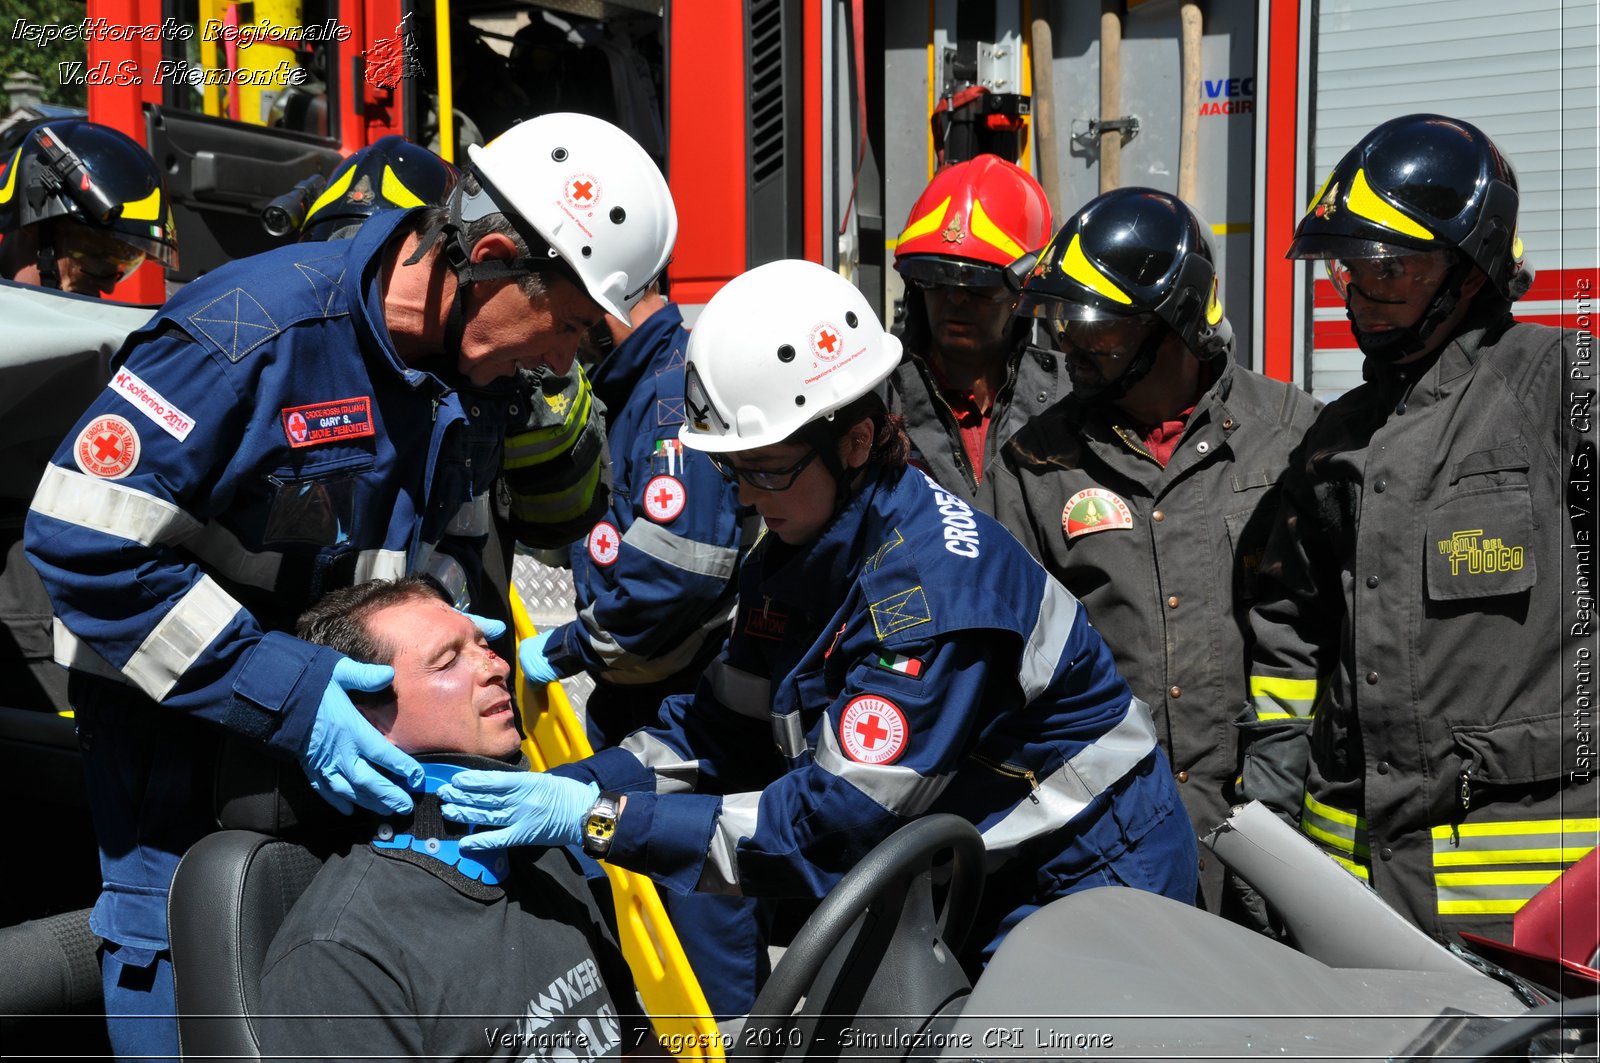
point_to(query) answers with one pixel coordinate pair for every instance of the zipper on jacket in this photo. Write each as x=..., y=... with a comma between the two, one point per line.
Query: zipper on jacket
x=1012, y=773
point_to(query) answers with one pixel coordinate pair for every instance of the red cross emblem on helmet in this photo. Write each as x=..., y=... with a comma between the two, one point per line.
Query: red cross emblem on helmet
x=582, y=191
x=827, y=341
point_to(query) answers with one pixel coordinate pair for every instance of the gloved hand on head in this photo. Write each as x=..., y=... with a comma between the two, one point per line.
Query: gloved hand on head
x=343, y=751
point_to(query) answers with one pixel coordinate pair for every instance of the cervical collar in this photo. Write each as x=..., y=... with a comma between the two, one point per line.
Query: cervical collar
x=425, y=838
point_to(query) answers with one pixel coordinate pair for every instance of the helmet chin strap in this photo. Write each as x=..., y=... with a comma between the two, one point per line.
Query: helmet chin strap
x=49, y=274
x=1394, y=344
x=820, y=439
x=451, y=238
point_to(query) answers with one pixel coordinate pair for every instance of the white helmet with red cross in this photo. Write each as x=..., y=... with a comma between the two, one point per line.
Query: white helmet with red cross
x=591, y=194
x=783, y=345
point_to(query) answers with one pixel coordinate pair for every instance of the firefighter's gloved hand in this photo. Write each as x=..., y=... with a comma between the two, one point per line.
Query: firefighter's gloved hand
x=535, y=665
x=488, y=625
x=528, y=808
x=343, y=751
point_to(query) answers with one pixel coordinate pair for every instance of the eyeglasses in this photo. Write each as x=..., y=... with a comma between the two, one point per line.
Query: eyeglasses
x=764, y=479
x=1421, y=270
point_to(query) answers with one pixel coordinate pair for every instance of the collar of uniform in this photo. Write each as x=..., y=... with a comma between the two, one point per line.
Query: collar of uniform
x=615, y=378
x=823, y=570
x=363, y=282
x=1430, y=379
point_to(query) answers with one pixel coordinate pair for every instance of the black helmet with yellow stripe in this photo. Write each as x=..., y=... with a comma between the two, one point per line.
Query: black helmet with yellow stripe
x=389, y=174
x=1420, y=183
x=92, y=174
x=1132, y=254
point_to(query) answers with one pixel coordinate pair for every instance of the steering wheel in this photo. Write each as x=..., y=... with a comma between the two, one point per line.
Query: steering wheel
x=874, y=950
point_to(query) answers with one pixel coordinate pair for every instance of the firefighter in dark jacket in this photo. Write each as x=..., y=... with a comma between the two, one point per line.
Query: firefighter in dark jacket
x=1414, y=696
x=1150, y=489
x=969, y=377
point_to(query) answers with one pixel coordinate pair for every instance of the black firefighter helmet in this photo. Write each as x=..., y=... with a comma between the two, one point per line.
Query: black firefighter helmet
x=1133, y=253
x=1419, y=184
x=389, y=174
x=89, y=173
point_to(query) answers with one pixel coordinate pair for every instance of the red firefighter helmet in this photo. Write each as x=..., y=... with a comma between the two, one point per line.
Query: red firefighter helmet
x=974, y=220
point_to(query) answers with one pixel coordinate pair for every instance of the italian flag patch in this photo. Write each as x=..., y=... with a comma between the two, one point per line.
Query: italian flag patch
x=904, y=665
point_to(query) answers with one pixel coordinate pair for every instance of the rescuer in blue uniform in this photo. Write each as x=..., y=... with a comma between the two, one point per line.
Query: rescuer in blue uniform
x=655, y=576
x=895, y=653
x=289, y=424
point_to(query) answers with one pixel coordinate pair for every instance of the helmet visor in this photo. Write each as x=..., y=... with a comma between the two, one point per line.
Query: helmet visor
x=1393, y=276
x=99, y=248
x=1104, y=339
x=930, y=271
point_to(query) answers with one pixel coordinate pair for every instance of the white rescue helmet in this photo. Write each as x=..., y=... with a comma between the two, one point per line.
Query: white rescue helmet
x=591, y=193
x=783, y=345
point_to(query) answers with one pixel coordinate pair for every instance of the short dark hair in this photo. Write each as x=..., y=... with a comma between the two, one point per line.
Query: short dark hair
x=339, y=618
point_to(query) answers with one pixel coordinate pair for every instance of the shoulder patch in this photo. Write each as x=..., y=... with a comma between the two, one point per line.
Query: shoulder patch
x=669, y=411
x=899, y=611
x=1094, y=509
x=234, y=323
x=873, y=730
x=876, y=558
x=108, y=447
x=324, y=275
x=604, y=543
x=664, y=498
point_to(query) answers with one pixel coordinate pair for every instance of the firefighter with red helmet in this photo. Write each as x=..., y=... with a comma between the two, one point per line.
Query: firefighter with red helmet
x=81, y=207
x=969, y=378
x=1149, y=490
x=1418, y=654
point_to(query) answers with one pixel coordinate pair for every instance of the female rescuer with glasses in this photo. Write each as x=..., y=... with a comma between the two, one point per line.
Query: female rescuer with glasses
x=895, y=653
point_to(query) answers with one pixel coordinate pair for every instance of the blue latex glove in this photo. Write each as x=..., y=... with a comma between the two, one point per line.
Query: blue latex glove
x=535, y=666
x=490, y=627
x=529, y=807
x=341, y=744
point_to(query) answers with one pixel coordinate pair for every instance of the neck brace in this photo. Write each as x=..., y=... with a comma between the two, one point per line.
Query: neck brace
x=425, y=838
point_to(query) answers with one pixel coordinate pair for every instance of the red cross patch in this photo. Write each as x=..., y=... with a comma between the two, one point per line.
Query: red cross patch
x=873, y=730
x=107, y=447
x=581, y=191
x=664, y=498
x=296, y=426
x=604, y=542
x=826, y=340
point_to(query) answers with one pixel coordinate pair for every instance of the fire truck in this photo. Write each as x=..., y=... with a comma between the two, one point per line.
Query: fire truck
x=806, y=128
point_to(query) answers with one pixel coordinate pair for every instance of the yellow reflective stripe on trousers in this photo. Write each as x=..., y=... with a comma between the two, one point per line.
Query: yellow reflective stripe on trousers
x=1276, y=698
x=1495, y=868
x=1336, y=828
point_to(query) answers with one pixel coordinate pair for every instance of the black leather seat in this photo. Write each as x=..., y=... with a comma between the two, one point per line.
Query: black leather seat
x=229, y=897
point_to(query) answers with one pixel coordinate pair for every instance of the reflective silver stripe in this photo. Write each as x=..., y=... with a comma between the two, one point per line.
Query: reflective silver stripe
x=674, y=775
x=1336, y=828
x=379, y=564
x=742, y=692
x=109, y=507
x=181, y=636
x=903, y=791
x=701, y=559
x=448, y=571
x=1041, y=657
x=788, y=733
x=219, y=548
x=1067, y=791
x=1460, y=890
x=720, y=873
x=549, y=507
x=625, y=667
x=472, y=518
x=72, y=652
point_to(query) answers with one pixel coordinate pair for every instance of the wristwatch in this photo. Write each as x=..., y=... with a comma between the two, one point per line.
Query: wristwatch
x=600, y=824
